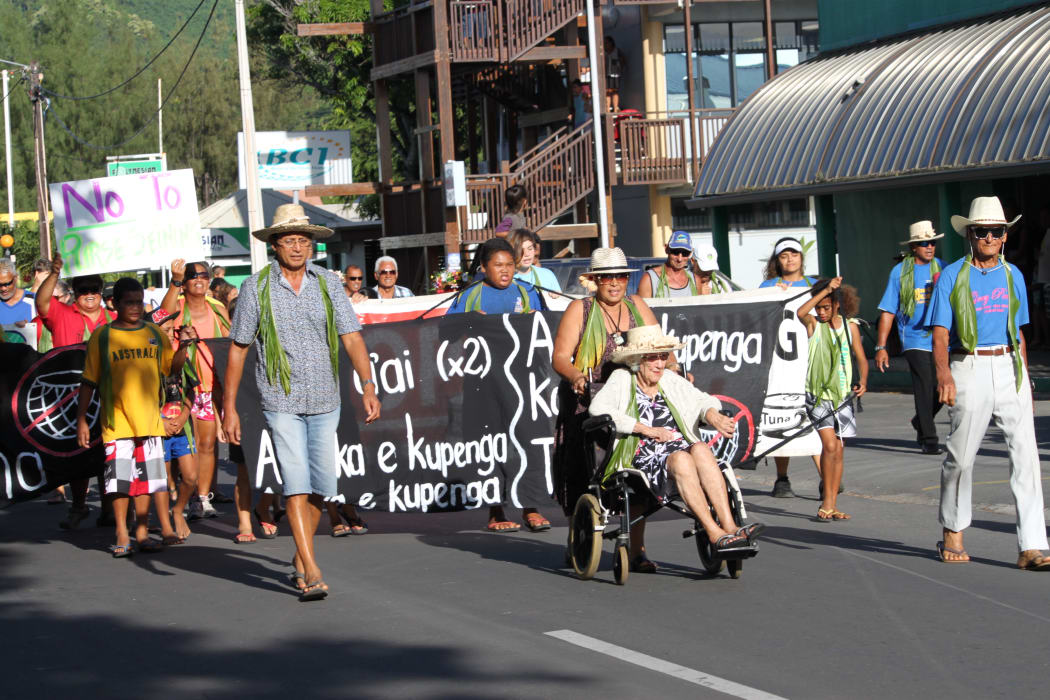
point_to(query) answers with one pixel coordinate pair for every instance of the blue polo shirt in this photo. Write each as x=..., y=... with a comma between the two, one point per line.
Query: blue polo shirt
x=499, y=301
x=22, y=310
x=991, y=299
x=912, y=330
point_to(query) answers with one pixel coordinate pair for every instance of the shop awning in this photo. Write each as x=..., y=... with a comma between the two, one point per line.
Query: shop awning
x=965, y=101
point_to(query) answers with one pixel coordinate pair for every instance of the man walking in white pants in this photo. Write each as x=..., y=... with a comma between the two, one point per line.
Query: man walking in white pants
x=979, y=305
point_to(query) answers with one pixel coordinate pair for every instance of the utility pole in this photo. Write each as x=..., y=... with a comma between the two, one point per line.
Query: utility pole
x=251, y=164
x=7, y=151
x=597, y=110
x=160, y=119
x=37, y=98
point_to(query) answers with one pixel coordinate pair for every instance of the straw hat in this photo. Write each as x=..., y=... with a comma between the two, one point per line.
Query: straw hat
x=606, y=261
x=291, y=218
x=644, y=340
x=920, y=232
x=984, y=211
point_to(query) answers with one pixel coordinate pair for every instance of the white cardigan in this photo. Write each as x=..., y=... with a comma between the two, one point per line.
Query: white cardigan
x=691, y=403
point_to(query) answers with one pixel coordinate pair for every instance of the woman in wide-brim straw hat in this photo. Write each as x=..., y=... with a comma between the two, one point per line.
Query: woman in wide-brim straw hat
x=655, y=412
x=589, y=331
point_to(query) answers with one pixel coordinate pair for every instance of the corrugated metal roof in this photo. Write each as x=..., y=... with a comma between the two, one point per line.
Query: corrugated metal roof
x=934, y=107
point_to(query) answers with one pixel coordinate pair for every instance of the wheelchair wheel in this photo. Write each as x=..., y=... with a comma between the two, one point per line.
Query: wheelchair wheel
x=621, y=565
x=585, y=542
x=711, y=561
x=735, y=567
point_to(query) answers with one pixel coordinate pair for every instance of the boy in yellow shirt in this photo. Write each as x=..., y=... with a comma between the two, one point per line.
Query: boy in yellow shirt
x=126, y=363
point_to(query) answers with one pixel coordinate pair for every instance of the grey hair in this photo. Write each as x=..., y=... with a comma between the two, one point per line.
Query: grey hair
x=7, y=266
x=62, y=288
x=383, y=259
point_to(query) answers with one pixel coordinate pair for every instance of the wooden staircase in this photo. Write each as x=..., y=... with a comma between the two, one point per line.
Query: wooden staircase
x=503, y=31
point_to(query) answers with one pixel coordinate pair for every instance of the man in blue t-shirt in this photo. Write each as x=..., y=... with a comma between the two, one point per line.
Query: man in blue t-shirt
x=987, y=377
x=907, y=304
x=16, y=304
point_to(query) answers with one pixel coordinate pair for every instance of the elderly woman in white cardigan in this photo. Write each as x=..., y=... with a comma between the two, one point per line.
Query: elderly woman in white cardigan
x=655, y=413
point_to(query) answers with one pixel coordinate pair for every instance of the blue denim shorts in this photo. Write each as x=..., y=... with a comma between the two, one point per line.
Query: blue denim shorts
x=176, y=446
x=305, y=449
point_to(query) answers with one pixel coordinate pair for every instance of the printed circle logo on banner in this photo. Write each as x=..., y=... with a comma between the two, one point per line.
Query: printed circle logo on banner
x=44, y=404
x=727, y=450
x=783, y=415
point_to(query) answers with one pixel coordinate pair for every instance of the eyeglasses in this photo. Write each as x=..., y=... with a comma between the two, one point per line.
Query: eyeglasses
x=606, y=279
x=294, y=243
x=680, y=253
x=385, y=272
x=355, y=279
x=982, y=232
x=653, y=356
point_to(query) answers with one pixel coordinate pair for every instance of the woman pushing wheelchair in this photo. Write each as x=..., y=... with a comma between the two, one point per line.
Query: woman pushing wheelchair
x=655, y=413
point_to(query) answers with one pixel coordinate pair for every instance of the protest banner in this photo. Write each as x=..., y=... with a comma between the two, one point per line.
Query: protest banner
x=129, y=222
x=469, y=404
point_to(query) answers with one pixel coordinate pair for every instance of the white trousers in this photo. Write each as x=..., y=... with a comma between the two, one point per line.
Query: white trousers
x=985, y=389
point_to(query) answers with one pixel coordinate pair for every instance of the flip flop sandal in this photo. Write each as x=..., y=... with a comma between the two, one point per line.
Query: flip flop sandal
x=295, y=577
x=119, y=551
x=752, y=531
x=317, y=590
x=825, y=515
x=942, y=548
x=536, y=522
x=150, y=546
x=491, y=527
x=266, y=535
x=642, y=565
x=839, y=515
x=172, y=540
x=244, y=538
x=341, y=530
x=727, y=543
x=357, y=526
x=1030, y=563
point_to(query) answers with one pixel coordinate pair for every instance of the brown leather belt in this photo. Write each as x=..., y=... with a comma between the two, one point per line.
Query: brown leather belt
x=990, y=352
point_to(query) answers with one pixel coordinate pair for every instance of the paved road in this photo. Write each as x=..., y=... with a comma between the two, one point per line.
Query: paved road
x=430, y=607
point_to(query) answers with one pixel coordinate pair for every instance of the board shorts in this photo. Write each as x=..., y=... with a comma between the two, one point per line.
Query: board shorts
x=135, y=466
x=176, y=446
x=203, y=408
x=823, y=415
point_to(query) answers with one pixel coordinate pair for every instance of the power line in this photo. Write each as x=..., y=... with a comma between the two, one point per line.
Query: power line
x=140, y=70
x=49, y=110
x=17, y=83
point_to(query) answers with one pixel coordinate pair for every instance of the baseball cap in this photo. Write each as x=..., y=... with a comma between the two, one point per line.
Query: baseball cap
x=706, y=257
x=681, y=240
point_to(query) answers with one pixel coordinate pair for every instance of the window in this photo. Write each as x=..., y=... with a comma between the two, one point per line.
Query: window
x=729, y=59
x=788, y=213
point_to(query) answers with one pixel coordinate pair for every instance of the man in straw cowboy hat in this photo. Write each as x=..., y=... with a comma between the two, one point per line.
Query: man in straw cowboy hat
x=911, y=282
x=297, y=314
x=979, y=305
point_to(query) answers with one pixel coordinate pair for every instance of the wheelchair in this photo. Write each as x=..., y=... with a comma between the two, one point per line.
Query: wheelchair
x=610, y=500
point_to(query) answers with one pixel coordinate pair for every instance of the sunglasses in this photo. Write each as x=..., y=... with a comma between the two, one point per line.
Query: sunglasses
x=355, y=279
x=6, y=284
x=385, y=272
x=679, y=252
x=88, y=291
x=925, y=244
x=653, y=356
x=606, y=279
x=982, y=232
x=199, y=276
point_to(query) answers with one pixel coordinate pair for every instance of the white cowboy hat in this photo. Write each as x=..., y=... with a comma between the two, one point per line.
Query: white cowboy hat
x=644, y=340
x=606, y=261
x=920, y=232
x=984, y=211
x=291, y=218
x=706, y=257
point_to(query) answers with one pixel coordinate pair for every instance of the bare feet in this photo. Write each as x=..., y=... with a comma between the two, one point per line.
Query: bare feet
x=182, y=528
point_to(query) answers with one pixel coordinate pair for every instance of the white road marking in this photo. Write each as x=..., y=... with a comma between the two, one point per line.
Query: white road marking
x=986, y=599
x=652, y=663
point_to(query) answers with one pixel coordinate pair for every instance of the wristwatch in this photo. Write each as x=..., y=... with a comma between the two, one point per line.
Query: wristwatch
x=176, y=283
x=879, y=347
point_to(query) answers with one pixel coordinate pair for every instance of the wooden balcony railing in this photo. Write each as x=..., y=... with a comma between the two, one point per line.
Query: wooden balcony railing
x=475, y=29
x=556, y=174
x=658, y=148
x=529, y=22
x=403, y=33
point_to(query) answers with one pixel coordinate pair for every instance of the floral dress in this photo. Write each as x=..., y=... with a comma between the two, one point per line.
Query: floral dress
x=651, y=456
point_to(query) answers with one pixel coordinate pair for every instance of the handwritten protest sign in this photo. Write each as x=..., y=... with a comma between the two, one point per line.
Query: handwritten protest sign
x=126, y=223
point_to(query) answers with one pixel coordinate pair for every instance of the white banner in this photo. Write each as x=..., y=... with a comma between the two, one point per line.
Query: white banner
x=292, y=160
x=130, y=222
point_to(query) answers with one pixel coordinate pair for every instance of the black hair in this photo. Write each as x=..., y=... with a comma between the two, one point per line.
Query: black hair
x=515, y=197
x=217, y=283
x=489, y=248
x=191, y=268
x=125, y=285
x=845, y=297
x=86, y=282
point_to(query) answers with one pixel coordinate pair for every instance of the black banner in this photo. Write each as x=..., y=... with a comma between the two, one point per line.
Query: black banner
x=469, y=404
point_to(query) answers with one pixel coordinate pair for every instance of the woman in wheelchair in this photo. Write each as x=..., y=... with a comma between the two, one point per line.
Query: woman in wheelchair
x=655, y=412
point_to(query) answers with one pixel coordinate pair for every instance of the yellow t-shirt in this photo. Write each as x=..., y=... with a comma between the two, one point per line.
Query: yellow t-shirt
x=132, y=369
